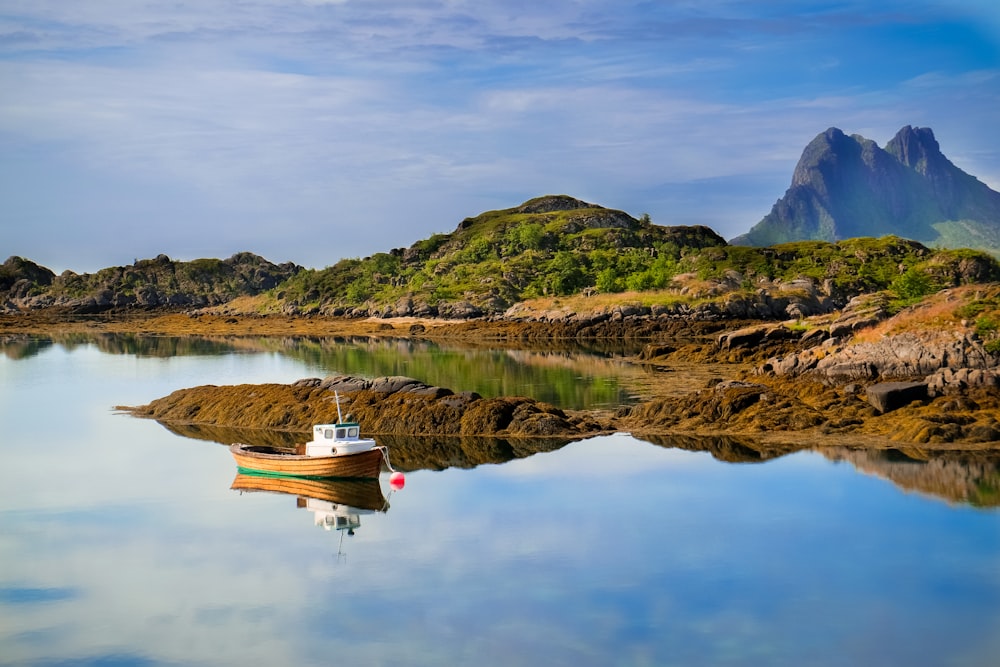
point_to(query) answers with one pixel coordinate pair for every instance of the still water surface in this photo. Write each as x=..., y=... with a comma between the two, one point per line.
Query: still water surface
x=122, y=543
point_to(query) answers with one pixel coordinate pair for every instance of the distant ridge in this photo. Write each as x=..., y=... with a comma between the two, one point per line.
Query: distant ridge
x=846, y=187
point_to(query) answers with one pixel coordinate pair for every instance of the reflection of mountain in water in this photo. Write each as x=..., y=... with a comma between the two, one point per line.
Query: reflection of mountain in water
x=971, y=477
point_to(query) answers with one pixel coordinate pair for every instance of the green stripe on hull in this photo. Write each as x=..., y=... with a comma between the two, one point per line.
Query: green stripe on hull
x=270, y=473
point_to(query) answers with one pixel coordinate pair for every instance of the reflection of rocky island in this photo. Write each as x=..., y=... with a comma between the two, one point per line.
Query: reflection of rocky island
x=962, y=477
x=729, y=449
x=23, y=347
x=335, y=504
x=408, y=452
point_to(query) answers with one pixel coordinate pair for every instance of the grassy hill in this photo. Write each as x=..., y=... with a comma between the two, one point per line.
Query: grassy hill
x=553, y=245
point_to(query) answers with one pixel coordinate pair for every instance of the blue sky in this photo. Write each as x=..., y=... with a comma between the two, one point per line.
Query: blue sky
x=315, y=130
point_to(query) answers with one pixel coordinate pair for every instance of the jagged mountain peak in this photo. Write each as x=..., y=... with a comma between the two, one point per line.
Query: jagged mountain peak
x=847, y=186
x=916, y=147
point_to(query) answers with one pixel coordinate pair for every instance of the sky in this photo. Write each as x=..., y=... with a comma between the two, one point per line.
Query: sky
x=313, y=130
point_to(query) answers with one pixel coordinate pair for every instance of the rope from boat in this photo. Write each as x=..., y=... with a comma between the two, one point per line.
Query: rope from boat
x=385, y=457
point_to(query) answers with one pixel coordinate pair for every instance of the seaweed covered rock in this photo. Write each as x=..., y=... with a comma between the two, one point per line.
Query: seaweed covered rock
x=390, y=405
x=803, y=406
x=727, y=407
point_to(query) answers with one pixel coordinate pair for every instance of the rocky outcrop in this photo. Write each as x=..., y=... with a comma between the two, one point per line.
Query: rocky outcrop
x=146, y=284
x=803, y=409
x=713, y=300
x=905, y=356
x=388, y=405
x=348, y=384
x=21, y=279
x=551, y=203
x=755, y=336
x=734, y=406
x=587, y=215
x=958, y=380
x=887, y=396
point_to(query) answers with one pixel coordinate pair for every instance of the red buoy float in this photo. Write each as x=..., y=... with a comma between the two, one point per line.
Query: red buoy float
x=397, y=481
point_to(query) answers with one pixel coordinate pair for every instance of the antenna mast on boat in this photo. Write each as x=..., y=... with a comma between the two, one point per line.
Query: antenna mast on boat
x=336, y=397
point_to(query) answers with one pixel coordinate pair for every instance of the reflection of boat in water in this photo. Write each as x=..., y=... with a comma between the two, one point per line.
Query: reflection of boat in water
x=335, y=504
x=336, y=450
x=363, y=494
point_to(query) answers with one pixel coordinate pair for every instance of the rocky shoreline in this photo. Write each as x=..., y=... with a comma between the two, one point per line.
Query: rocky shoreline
x=922, y=377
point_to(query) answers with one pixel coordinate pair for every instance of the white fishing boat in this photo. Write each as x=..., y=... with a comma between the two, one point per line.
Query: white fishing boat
x=336, y=450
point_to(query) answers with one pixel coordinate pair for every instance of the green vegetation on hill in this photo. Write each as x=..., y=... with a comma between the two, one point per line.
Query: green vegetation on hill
x=547, y=246
x=558, y=246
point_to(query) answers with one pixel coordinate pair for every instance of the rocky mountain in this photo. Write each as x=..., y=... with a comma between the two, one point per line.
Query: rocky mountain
x=847, y=186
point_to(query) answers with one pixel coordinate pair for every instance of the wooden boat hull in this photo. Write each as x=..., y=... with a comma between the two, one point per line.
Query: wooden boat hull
x=269, y=461
x=365, y=494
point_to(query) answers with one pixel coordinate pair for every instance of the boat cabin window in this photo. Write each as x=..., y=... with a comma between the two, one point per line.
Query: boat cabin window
x=328, y=433
x=340, y=434
x=352, y=432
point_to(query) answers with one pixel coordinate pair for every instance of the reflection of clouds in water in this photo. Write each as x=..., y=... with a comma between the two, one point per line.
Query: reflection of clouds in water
x=610, y=549
x=149, y=580
x=60, y=405
x=625, y=560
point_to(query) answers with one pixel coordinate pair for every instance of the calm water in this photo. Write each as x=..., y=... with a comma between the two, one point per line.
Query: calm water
x=122, y=542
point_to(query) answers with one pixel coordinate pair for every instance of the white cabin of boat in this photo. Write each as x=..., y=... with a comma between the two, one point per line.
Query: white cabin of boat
x=337, y=440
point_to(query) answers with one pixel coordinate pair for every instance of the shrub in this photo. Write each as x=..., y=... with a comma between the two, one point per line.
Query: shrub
x=912, y=284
